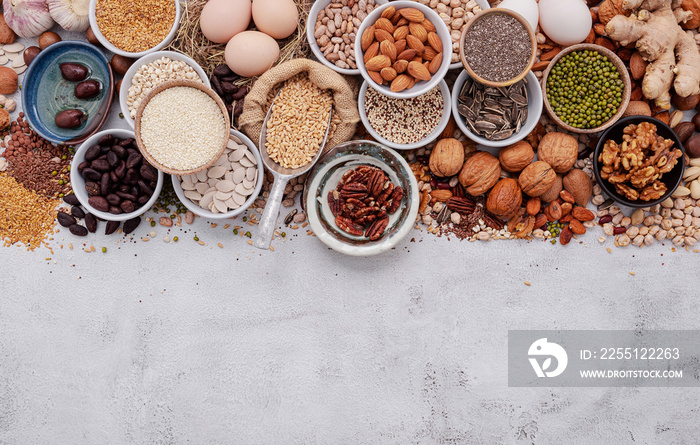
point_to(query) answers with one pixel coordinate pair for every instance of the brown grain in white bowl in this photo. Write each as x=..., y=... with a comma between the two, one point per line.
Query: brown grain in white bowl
x=179, y=139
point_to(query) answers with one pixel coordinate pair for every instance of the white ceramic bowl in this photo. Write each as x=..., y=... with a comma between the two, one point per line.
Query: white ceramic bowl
x=534, y=111
x=145, y=60
x=420, y=87
x=484, y=5
x=324, y=177
x=446, y=110
x=317, y=7
x=211, y=215
x=134, y=55
x=78, y=183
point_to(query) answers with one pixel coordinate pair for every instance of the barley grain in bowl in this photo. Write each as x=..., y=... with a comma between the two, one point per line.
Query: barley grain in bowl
x=228, y=187
x=182, y=127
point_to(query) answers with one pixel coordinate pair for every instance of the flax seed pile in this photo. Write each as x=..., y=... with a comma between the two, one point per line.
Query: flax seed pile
x=25, y=216
x=135, y=25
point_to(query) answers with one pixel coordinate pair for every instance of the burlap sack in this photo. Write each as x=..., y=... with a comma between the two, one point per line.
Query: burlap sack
x=259, y=99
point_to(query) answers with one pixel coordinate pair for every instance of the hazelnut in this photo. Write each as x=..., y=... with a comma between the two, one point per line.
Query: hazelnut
x=553, y=192
x=579, y=184
x=480, y=172
x=447, y=157
x=8, y=80
x=537, y=178
x=505, y=199
x=559, y=150
x=516, y=157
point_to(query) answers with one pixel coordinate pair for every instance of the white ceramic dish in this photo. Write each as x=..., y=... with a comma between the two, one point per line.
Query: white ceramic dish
x=324, y=177
x=134, y=55
x=317, y=7
x=446, y=111
x=534, y=111
x=78, y=183
x=211, y=215
x=420, y=87
x=484, y=5
x=145, y=60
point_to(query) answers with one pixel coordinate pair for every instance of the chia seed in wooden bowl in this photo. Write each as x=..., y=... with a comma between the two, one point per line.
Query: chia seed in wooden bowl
x=498, y=47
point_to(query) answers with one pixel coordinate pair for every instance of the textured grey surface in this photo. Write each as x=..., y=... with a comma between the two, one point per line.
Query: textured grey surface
x=160, y=343
x=173, y=344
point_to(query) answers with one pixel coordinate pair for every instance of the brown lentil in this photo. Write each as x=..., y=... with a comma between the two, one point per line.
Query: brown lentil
x=404, y=121
x=32, y=160
x=497, y=47
x=135, y=25
x=25, y=216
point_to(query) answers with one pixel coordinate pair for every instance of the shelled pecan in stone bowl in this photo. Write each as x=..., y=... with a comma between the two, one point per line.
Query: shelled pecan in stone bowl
x=361, y=198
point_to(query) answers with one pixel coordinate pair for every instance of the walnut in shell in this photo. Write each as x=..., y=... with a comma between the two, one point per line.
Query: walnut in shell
x=516, y=157
x=537, y=178
x=559, y=150
x=505, y=198
x=479, y=173
x=447, y=157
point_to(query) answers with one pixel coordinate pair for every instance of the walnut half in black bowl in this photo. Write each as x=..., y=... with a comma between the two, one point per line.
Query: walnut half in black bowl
x=639, y=161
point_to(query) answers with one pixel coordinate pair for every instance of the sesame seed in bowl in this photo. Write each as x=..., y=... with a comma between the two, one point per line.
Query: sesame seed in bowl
x=182, y=127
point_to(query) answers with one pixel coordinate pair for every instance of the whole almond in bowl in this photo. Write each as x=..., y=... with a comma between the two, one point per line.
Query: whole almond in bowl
x=399, y=49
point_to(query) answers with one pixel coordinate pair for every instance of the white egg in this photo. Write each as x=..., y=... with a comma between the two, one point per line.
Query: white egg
x=251, y=53
x=567, y=22
x=276, y=18
x=526, y=8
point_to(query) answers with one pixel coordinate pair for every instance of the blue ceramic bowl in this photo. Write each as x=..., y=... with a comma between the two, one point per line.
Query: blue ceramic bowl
x=45, y=92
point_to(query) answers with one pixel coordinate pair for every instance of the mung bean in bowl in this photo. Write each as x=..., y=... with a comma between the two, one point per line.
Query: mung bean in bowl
x=170, y=65
x=227, y=188
x=510, y=116
x=134, y=28
x=498, y=47
x=182, y=127
x=405, y=124
x=387, y=171
x=586, y=88
x=104, y=157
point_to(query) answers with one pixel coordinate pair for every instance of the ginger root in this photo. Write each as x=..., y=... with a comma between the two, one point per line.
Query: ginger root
x=670, y=51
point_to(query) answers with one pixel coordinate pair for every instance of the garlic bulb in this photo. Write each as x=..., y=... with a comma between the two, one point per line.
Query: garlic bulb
x=72, y=15
x=27, y=18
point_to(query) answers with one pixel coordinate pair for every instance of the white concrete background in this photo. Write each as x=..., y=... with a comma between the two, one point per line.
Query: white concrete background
x=154, y=343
